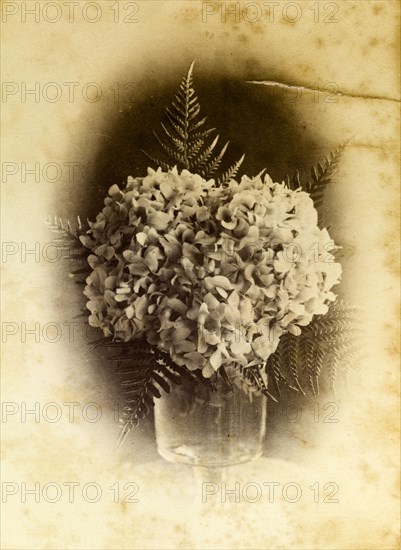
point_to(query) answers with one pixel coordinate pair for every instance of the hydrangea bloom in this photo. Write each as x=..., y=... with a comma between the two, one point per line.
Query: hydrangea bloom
x=213, y=276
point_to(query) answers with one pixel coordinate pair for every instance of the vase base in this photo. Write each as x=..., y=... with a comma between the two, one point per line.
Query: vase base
x=185, y=455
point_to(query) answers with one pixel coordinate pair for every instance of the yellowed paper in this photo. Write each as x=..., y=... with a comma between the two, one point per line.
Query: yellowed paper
x=84, y=84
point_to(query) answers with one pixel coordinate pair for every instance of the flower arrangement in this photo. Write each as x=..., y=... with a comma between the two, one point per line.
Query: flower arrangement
x=192, y=272
x=211, y=276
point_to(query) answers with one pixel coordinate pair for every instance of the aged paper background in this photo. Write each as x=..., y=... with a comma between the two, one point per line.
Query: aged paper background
x=351, y=47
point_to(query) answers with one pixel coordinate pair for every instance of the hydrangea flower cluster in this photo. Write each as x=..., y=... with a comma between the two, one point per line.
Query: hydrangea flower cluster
x=211, y=275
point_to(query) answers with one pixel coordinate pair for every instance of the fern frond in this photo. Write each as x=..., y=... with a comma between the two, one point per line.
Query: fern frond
x=252, y=374
x=332, y=365
x=319, y=354
x=231, y=172
x=157, y=162
x=276, y=364
x=291, y=346
x=328, y=347
x=322, y=175
x=203, y=158
x=307, y=355
x=178, y=142
x=211, y=167
x=138, y=401
x=273, y=367
x=68, y=241
x=139, y=388
x=197, y=125
x=176, y=373
x=143, y=374
x=186, y=143
x=294, y=182
x=175, y=155
x=203, y=134
x=195, y=147
x=176, y=124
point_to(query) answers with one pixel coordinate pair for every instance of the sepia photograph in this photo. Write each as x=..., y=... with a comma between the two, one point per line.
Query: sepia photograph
x=200, y=262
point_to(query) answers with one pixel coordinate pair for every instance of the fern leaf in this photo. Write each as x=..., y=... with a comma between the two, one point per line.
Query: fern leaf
x=252, y=374
x=197, y=125
x=202, y=159
x=274, y=363
x=294, y=182
x=307, y=354
x=149, y=372
x=69, y=242
x=333, y=366
x=185, y=145
x=203, y=134
x=161, y=381
x=210, y=168
x=175, y=155
x=176, y=124
x=137, y=401
x=322, y=174
x=231, y=172
x=293, y=359
x=317, y=366
x=153, y=389
x=193, y=112
x=195, y=147
x=157, y=162
x=169, y=374
x=176, y=373
x=179, y=143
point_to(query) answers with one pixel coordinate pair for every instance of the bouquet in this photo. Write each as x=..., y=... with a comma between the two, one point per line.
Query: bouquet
x=211, y=276
x=191, y=272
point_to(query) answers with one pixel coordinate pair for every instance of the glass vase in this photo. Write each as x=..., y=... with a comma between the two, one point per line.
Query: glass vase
x=203, y=427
